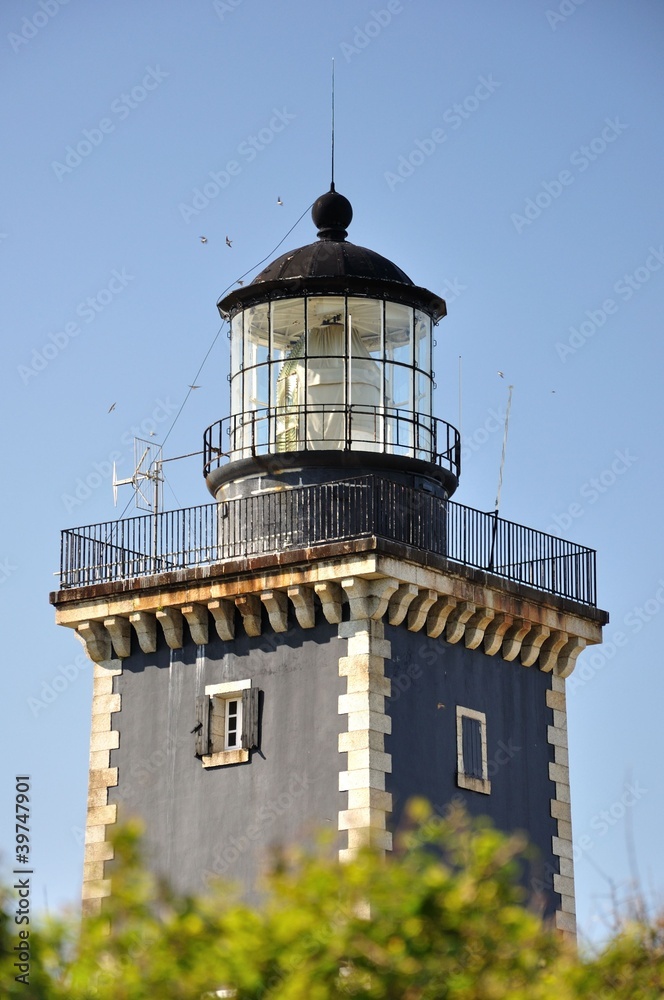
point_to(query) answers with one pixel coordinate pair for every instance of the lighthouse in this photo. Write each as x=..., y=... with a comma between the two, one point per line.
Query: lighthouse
x=332, y=634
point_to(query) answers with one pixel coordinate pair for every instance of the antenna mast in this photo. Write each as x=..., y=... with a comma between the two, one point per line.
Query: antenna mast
x=146, y=477
x=332, y=184
x=502, y=459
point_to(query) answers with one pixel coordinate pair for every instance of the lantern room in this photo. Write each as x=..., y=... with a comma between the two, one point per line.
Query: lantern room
x=331, y=364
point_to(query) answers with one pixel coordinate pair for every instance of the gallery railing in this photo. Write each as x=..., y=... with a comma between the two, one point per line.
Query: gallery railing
x=332, y=427
x=306, y=516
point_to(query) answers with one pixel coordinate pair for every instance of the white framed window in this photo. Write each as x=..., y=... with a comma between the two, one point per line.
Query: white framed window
x=232, y=711
x=226, y=723
x=472, y=760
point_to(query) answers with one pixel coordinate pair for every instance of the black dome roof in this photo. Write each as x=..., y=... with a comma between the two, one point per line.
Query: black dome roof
x=332, y=258
x=332, y=265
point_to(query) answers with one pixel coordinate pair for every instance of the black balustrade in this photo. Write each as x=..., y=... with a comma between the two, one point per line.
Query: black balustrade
x=306, y=516
x=331, y=426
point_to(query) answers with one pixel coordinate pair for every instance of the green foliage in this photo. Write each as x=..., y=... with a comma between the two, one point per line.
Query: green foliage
x=440, y=918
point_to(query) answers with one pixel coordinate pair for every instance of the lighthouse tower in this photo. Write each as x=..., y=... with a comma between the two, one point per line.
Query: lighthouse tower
x=333, y=634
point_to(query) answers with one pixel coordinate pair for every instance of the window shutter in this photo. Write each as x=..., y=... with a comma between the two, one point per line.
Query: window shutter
x=249, y=718
x=202, y=725
x=472, y=747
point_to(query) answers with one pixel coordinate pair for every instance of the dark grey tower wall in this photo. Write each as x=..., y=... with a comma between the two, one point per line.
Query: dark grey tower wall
x=430, y=678
x=225, y=820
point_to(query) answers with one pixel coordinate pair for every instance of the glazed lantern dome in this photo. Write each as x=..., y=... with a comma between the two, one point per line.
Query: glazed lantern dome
x=331, y=360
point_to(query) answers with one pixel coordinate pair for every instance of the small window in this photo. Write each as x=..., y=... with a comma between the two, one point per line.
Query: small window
x=232, y=722
x=472, y=763
x=226, y=723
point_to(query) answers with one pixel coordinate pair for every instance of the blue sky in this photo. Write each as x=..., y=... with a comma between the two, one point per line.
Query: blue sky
x=506, y=155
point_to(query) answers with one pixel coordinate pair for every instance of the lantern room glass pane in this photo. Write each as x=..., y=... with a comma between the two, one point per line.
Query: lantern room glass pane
x=399, y=387
x=423, y=386
x=423, y=341
x=287, y=321
x=236, y=362
x=365, y=372
x=365, y=318
x=256, y=340
x=256, y=343
x=286, y=371
x=326, y=326
x=326, y=378
x=398, y=333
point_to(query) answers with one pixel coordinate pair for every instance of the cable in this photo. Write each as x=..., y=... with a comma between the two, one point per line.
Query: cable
x=216, y=336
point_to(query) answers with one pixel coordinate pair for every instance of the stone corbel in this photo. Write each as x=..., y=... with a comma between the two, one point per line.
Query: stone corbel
x=198, y=622
x=302, y=599
x=96, y=640
x=400, y=601
x=438, y=615
x=145, y=626
x=171, y=621
x=223, y=613
x=514, y=639
x=567, y=656
x=476, y=627
x=495, y=633
x=530, y=647
x=249, y=606
x=119, y=630
x=276, y=604
x=419, y=609
x=369, y=598
x=456, y=623
x=550, y=649
x=330, y=598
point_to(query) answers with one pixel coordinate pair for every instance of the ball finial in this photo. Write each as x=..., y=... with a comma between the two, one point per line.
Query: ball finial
x=332, y=213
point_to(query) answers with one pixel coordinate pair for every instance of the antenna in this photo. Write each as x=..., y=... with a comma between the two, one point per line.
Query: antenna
x=502, y=459
x=332, y=184
x=146, y=477
x=460, y=430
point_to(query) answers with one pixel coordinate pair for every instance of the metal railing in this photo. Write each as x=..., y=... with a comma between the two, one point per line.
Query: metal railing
x=306, y=516
x=333, y=427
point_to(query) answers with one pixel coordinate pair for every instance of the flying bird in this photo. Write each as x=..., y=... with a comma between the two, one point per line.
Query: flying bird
x=203, y=239
x=279, y=201
x=111, y=407
x=194, y=386
x=228, y=242
x=502, y=375
x=240, y=281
